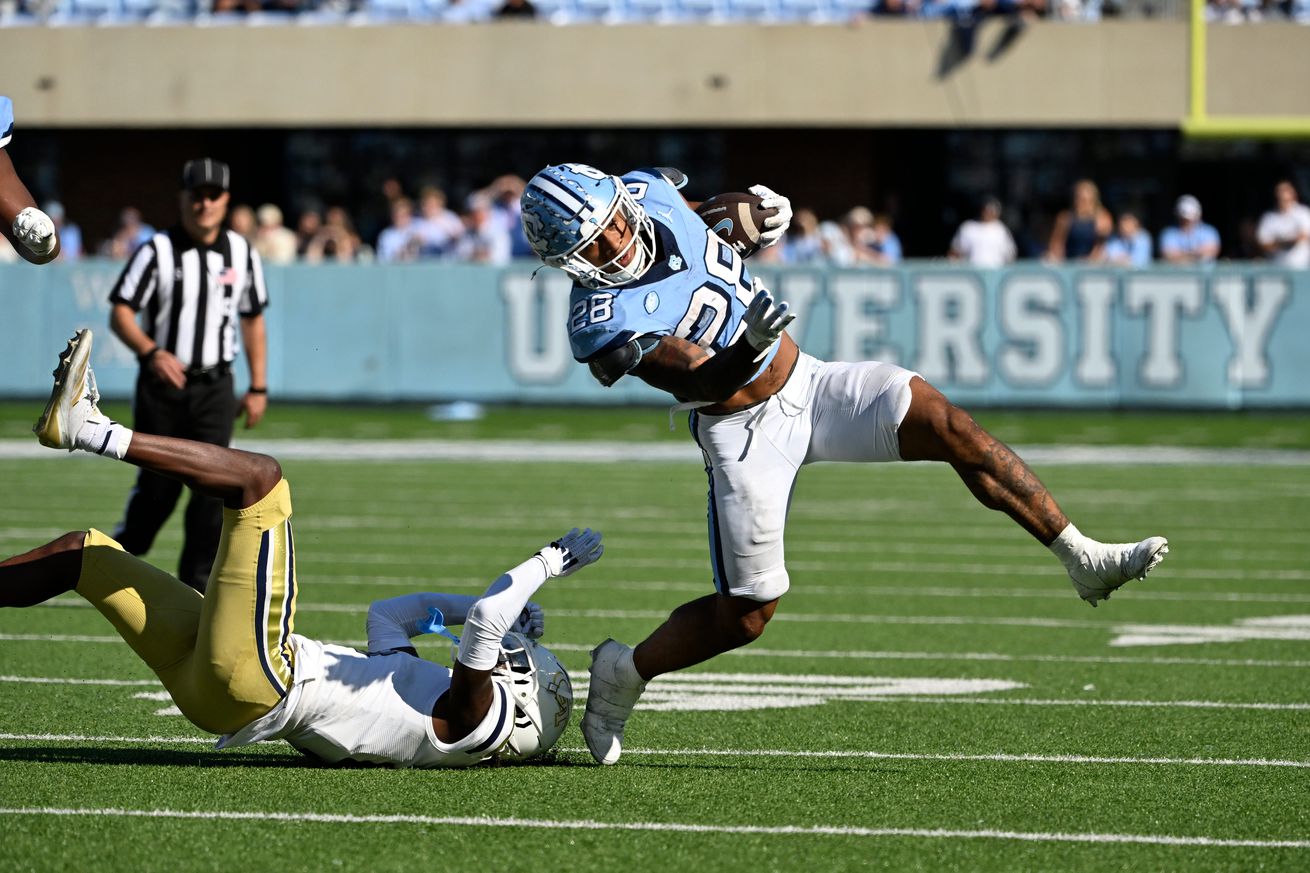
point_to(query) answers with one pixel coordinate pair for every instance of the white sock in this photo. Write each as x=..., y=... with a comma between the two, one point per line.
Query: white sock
x=491, y=617
x=625, y=670
x=1070, y=546
x=102, y=436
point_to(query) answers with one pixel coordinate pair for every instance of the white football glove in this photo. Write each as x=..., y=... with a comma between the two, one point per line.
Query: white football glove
x=531, y=621
x=573, y=551
x=34, y=229
x=764, y=320
x=775, y=225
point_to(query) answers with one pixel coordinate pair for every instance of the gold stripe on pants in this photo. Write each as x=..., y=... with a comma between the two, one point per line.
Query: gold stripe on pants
x=225, y=658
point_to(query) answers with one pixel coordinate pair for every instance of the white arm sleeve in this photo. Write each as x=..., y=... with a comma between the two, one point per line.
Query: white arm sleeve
x=392, y=622
x=497, y=610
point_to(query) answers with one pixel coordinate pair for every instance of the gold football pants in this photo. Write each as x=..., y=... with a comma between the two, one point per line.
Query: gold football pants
x=225, y=657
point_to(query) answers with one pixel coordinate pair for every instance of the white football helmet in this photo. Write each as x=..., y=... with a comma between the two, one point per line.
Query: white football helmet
x=541, y=692
x=566, y=207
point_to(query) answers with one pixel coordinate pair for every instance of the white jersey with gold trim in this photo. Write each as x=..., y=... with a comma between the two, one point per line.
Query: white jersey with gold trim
x=345, y=705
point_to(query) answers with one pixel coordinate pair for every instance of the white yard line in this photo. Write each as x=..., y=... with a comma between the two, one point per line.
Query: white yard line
x=588, y=452
x=676, y=827
x=580, y=686
x=835, y=654
x=918, y=756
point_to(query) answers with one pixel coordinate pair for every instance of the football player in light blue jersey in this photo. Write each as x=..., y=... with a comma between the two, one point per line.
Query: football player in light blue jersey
x=657, y=295
x=29, y=230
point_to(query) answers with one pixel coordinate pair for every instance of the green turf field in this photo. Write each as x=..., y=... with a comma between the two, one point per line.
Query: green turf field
x=938, y=697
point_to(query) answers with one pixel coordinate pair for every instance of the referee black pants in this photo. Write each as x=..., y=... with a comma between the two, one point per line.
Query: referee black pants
x=205, y=411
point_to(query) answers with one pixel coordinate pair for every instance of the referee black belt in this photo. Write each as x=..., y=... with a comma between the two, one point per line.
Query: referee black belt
x=208, y=375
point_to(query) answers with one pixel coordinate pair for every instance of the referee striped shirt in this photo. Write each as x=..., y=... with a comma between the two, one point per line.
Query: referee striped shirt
x=191, y=295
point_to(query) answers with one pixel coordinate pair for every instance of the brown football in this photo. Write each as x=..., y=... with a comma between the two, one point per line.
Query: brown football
x=737, y=218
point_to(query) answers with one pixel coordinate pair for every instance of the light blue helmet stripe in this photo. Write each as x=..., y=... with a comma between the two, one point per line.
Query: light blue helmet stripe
x=560, y=195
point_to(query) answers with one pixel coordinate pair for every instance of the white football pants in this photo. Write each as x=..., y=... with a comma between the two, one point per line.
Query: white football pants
x=825, y=412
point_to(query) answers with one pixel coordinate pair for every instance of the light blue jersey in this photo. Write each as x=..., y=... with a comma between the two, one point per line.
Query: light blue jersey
x=697, y=289
x=6, y=121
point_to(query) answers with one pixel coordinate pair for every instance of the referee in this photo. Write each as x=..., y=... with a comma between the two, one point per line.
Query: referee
x=176, y=306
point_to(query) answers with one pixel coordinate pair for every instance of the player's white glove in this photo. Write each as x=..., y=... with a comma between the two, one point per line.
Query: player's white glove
x=531, y=621
x=34, y=229
x=765, y=321
x=573, y=551
x=775, y=225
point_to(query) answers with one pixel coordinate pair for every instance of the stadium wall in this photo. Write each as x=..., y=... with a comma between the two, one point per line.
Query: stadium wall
x=1130, y=73
x=1028, y=336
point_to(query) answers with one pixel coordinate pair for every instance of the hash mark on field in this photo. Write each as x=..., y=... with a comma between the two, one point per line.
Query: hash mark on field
x=679, y=827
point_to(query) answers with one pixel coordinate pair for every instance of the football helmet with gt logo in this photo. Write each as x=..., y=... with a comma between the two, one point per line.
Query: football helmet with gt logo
x=542, y=694
x=567, y=207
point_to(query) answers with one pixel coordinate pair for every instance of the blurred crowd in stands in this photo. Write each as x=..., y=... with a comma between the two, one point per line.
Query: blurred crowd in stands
x=1084, y=233
x=26, y=12
x=487, y=230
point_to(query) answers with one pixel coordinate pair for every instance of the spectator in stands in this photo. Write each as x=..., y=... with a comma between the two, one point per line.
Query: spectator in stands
x=237, y=7
x=132, y=232
x=986, y=242
x=515, y=9
x=345, y=244
x=69, y=235
x=439, y=229
x=401, y=240
x=1284, y=232
x=1191, y=241
x=803, y=243
x=1080, y=232
x=307, y=227
x=275, y=242
x=884, y=246
x=464, y=12
x=485, y=240
x=334, y=240
x=242, y=221
x=1131, y=244
x=1234, y=11
x=505, y=192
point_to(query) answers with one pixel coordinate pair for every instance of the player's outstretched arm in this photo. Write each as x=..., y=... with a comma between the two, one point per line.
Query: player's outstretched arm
x=29, y=230
x=494, y=614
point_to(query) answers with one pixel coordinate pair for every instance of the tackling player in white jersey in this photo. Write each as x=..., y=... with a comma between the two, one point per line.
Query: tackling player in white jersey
x=657, y=295
x=29, y=230
x=230, y=659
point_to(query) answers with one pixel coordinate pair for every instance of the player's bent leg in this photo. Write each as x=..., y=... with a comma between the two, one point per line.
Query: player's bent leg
x=695, y=632
x=240, y=479
x=153, y=612
x=936, y=430
x=42, y=573
x=72, y=420
x=244, y=662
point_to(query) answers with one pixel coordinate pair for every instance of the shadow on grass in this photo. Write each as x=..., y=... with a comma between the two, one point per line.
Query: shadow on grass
x=152, y=757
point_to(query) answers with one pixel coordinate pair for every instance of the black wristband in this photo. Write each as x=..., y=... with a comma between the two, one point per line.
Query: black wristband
x=253, y=390
x=144, y=357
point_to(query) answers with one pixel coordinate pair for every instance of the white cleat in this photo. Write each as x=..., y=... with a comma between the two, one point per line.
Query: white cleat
x=74, y=398
x=610, y=699
x=1106, y=566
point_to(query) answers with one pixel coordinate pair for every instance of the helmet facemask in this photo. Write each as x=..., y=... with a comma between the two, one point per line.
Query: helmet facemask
x=640, y=247
x=541, y=693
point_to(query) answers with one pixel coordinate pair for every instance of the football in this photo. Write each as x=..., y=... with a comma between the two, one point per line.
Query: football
x=737, y=218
